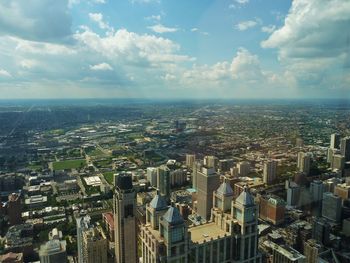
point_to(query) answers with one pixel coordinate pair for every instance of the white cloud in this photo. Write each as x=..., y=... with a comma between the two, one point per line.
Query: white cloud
x=98, y=18
x=194, y=29
x=154, y=17
x=29, y=63
x=45, y=20
x=168, y=77
x=242, y=2
x=4, y=73
x=99, y=1
x=145, y=1
x=101, y=67
x=268, y=29
x=244, y=25
x=160, y=29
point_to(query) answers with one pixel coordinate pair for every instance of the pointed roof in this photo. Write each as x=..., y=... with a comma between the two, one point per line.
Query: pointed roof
x=173, y=216
x=158, y=202
x=225, y=189
x=245, y=198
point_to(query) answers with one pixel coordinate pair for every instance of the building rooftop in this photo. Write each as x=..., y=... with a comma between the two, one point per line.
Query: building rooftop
x=203, y=233
x=173, y=216
x=225, y=189
x=245, y=198
x=158, y=202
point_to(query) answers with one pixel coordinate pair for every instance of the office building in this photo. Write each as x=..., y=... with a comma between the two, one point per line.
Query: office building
x=293, y=194
x=343, y=191
x=178, y=177
x=152, y=176
x=207, y=182
x=125, y=219
x=321, y=230
x=163, y=180
x=304, y=160
x=14, y=209
x=225, y=165
x=331, y=207
x=226, y=239
x=211, y=162
x=270, y=172
x=338, y=162
x=243, y=168
x=271, y=209
x=317, y=188
x=54, y=250
x=108, y=219
x=197, y=167
x=312, y=249
x=94, y=245
x=190, y=160
x=335, y=141
x=345, y=148
x=83, y=224
x=285, y=254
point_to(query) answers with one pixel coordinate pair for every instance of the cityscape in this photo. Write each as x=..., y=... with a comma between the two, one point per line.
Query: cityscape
x=163, y=131
x=175, y=182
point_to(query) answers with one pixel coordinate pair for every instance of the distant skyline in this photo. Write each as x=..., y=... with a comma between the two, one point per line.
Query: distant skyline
x=174, y=49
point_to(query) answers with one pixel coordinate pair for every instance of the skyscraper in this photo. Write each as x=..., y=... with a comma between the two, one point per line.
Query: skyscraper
x=270, y=171
x=190, y=160
x=163, y=181
x=94, y=245
x=345, y=148
x=311, y=250
x=335, y=141
x=83, y=224
x=243, y=168
x=207, y=182
x=125, y=220
x=304, y=160
x=14, y=209
x=197, y=167
x=152, y=176
x=331, y=207
x=53, y=251
x=211, y=161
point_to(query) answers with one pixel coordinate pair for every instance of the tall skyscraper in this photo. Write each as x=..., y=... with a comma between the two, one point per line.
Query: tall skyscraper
x=83, y=224
x=335, y=141
x=345, y=148
x=152, y=176
x=163, y=181
x=211, y=161
x=207, y=182
x=190, y=160
x=125, y=220
x=53, y=251
x=331, y=207
x=243, y=168
x=14, y=209
x=293, y=194
x=197, y=167
x=94, y=245
x=270, y=171
x=311, y=250
x=317, y=188
x=304, y=161
x=321, y=230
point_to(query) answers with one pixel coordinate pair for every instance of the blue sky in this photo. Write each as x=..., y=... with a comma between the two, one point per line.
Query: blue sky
x=174, y=49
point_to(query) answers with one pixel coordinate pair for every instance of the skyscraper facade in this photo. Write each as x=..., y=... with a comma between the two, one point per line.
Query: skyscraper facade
x=270, y=171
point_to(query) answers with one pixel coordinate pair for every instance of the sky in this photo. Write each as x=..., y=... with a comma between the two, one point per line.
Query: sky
x=158, y=49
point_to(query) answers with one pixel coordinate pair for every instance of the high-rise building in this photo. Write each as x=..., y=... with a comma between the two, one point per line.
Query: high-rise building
x=304, y=161
x=94, y=245
x=211, y=161
x=225, y=165
x=285, y=254
x=14, y=209
x=321, y=230
x=317, y=188
x=293, y=194
x=335, y=141
x=152, y=176
x=343, y=191
x=207, y=182
x=190, y=160
x=270, y=171
x=312, y=249
x=83, y=224
x=243, y=168
x=338, y=162
x=163, y=180
x=271, y=209
x=197, y=167
x=125, y=219
x=331, y=207
x=345, y=148
x=53, y=251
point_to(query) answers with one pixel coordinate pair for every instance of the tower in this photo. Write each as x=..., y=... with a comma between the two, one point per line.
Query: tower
x=345, y=148
x=163, y=181
x=335, y=141
x=83, y=224
x=270, y=170
x=304, y=160
x=245, y=211
x=125, y=220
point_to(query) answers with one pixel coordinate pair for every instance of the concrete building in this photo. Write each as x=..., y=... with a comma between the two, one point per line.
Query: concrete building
x=225, y=165
x=207, y=182
x=293, y=194
x=211, y=162
x=342, y=190
x=163, y=180
x=243, y=168
x=270, y=172
x=225, y=240
x=152, y=176
x=321, y=230
x=331, y=207
x=108, y=219
x=335, y=141
x=345, y=148
x=271, y=209
x=83, y=224
x=94, y=246
x=338, y=162
x=284, y=254
x=317, y=188
x=197, y=167
x=53, y=251
x=312, y=249
x=190, y=160
x=14, y=209
x=125, y=220
x=177, y=177
x=304, y=160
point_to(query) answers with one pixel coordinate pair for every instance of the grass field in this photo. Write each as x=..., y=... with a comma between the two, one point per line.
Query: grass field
x=69, y=164
x=109, y=176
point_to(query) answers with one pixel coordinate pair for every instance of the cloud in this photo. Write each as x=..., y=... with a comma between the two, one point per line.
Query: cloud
x=98, y=18
x=160, y=29
x=242, y=2
x=45, y=20
x=145, y=1
x=244, y=25
x=4, y=73
x=103, y=66
x=154, y=17
x=194, y=29
x=268, y=29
